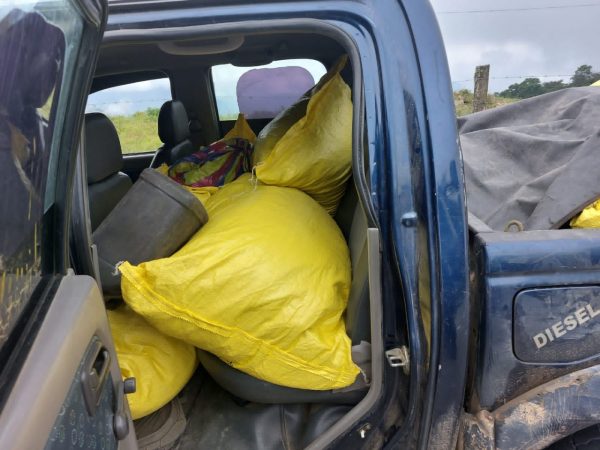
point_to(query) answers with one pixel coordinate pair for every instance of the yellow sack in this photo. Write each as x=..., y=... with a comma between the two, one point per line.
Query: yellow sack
x=163, y=169
x=276, y=128
x=160, y=364
x=241, y=130
x=315, y=154
x=263, y=286
x=588, y=218
x=202, y=193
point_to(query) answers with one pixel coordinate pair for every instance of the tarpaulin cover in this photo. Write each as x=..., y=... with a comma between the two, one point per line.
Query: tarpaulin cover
x=161, y=365
x=535, y=161
x=315, y=153
x=263, y=286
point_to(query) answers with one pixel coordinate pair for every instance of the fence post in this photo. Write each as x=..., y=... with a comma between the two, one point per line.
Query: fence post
x=482, y=76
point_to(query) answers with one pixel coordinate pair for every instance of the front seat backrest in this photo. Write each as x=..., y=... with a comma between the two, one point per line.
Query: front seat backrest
x=106, y=184
x=174, y=132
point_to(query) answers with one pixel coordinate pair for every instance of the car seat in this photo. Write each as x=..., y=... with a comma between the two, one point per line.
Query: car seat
x=106, y=183
x=174, y=132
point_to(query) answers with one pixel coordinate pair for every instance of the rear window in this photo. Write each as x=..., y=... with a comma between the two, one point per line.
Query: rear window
x=133, y=108
x=262, y=92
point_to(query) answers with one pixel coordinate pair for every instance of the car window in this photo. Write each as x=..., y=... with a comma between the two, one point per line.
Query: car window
x=262, y=92
x=133, y=108
x=39, y=41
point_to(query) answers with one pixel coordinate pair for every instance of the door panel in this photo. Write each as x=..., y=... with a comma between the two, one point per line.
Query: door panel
x=46, y=408
x=54, y=335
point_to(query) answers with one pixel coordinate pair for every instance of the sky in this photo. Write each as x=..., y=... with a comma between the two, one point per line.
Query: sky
x=129, y=98
x=547, y=39
x=535, y=37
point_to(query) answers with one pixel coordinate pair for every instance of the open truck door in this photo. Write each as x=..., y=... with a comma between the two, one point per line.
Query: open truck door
x=60, y=385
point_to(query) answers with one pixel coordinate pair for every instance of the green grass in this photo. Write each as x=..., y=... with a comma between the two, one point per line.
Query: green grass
x=138, y=132
x=463, y=102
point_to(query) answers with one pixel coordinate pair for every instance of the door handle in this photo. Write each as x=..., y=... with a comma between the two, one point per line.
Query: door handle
x=120, y=421
x=94, y=374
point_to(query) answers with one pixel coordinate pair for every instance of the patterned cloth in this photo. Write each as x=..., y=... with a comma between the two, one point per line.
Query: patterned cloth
x=214, y=165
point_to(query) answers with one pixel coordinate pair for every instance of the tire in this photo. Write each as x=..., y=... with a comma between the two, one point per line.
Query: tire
x=586, y=439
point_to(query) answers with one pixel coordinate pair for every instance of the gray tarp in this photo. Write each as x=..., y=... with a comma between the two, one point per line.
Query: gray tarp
x=536, y=161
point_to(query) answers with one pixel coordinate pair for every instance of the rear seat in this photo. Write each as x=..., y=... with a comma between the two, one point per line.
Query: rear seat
x=353, y=223
x=106, y=183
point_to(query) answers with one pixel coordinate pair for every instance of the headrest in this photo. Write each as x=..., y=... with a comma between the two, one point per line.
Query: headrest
x=102, y=148
x=173, y=123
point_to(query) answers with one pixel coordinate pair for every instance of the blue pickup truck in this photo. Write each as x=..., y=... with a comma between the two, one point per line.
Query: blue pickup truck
x=479, y=339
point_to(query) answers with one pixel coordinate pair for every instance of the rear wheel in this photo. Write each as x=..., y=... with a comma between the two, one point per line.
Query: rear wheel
x=586, y=439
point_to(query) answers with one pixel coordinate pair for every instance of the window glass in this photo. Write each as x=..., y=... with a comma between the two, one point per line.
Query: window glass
x=133, y=108
x=38, y=44
x=264, y=91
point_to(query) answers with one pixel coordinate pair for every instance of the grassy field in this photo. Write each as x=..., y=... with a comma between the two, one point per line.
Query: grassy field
x=463, y=102
x=139, y=132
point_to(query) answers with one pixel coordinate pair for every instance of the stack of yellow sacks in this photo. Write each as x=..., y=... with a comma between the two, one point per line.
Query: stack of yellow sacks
x=264, y=284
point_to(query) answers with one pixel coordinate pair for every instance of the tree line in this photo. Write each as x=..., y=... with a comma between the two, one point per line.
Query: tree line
x=530, y=87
